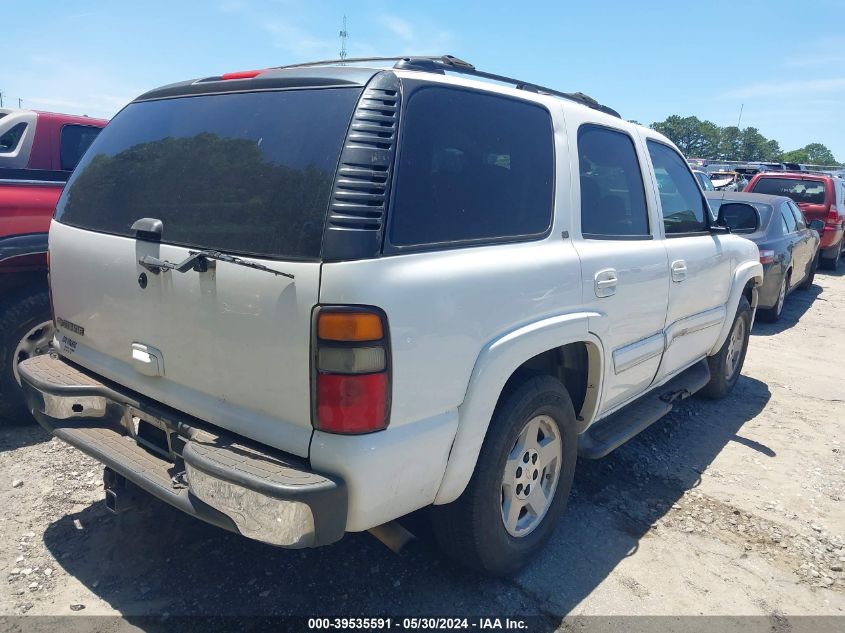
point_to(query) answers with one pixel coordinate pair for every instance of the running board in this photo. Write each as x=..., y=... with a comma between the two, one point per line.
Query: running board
x=609, y=434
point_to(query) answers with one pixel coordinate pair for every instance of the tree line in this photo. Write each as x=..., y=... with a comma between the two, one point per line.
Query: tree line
x=705, y=139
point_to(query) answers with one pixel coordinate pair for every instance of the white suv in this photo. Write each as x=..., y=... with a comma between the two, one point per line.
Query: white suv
x=310, y=300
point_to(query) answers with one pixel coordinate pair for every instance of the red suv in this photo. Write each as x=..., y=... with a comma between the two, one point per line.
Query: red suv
x=820, y=197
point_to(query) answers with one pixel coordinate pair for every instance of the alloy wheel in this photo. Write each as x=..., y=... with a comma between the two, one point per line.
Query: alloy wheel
x=531, y=476
x=735, y=345
x=34, y=343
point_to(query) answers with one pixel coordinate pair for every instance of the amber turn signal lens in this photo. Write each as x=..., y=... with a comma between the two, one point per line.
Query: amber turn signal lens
x=349, y=326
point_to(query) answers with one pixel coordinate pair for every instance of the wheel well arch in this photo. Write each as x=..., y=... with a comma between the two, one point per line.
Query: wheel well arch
x=576, y=365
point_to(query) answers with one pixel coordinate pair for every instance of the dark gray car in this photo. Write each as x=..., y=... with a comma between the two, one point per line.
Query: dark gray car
x=788, y=244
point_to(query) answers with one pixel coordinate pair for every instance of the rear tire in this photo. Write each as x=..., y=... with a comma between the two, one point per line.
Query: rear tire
x=832, y=263
x=773, y=314
x=726, y=364
x=26, y=329
x=499, y=524
x=805, y=285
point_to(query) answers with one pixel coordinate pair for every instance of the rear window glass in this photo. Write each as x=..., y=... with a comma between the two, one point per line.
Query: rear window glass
x=10, y=139
x=75, y=139
x=247, y=173
x=472, y=167
x=806, y=191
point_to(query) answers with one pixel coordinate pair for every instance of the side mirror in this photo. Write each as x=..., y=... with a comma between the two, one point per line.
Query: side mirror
x=817, y=225
x=739, y=217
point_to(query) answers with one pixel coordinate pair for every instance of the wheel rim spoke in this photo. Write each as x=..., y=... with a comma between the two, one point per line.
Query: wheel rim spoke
x=530, y=476
x=35, y=342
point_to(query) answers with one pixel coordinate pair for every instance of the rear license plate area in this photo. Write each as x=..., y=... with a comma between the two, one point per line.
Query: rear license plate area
x=154, y=434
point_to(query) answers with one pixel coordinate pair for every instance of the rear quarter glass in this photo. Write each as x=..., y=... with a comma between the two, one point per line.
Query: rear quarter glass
x=248, y=173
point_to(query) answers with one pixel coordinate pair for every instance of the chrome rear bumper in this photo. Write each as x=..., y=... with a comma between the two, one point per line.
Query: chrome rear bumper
x=220, y=478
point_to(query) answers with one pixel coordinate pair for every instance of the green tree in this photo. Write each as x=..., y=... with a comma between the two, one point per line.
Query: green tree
x=773, y=151
x=818, y=154
x=685, y=132
x=812, y=154
x=730, y=143
x=753, y=145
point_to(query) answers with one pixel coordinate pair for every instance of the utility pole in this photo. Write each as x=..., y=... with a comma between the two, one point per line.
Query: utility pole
x=343, y=36
x=1, y=98
x=19, y=103
x=740, y=116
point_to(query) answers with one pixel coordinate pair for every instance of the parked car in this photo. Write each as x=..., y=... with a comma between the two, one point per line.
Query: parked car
x=819, y=197
x=38, y=150
x=491, y=293
x=703, y=180
x=697, y=163
x=788, y=244
x=728, y=181
x=794, y=167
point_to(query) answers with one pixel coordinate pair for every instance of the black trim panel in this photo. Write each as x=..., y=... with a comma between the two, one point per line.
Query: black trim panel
x=22, y=245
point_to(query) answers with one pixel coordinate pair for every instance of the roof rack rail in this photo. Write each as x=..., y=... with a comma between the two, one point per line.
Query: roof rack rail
x=447, y=63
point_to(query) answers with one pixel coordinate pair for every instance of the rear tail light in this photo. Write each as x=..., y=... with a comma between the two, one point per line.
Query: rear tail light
x=351, y=365
x=833, y=219
x=50, y=292
x=767, y=257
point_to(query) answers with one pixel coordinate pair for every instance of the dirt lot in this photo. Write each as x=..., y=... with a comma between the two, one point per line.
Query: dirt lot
x=730, y=508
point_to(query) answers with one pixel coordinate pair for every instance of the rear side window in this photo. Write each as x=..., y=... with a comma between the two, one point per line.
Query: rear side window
x=801, y=191
x=612, y=191
x=472, y=168
x=11, y=137
x=247, y=173
x=683, y=206
x=74, y=140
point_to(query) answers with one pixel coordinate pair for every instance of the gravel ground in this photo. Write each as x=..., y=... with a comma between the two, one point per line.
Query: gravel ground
x=723, y=508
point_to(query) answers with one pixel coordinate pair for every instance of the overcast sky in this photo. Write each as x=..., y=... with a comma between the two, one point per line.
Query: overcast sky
x=783, y=59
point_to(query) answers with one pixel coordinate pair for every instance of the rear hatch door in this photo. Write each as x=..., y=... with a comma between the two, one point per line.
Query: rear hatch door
x=247, y=174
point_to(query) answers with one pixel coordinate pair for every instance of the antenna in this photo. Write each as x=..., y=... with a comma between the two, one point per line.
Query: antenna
x=343, y=35
x=740, y=116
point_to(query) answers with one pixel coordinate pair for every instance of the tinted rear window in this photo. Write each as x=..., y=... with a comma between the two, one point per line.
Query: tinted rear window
x=473, y=167
x=75, y=139
x=247, y=173
x=807, y=191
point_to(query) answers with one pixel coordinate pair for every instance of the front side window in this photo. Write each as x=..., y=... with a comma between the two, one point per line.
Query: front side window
x=684, y=209
x=788, y=218
x=612, y=191
x=11, y=138
x=472, y=167
x=800, y=222
x=74, y=140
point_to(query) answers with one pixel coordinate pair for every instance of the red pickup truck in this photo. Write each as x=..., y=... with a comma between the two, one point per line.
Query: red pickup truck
x=38, y=150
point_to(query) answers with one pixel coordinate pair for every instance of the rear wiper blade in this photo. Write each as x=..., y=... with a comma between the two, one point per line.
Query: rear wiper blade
x=197, y=260
x=225, y=257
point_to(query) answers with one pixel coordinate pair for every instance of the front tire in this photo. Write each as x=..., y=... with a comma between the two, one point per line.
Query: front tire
x=26, y=330
x=726, y=364
x=521, y=482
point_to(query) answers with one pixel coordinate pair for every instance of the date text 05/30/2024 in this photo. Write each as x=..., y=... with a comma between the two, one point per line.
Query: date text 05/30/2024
x=482, y=624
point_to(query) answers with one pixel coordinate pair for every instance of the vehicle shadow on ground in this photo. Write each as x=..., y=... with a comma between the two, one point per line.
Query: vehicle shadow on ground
x=159, y=561
x=19, y=434
x=796, y=304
